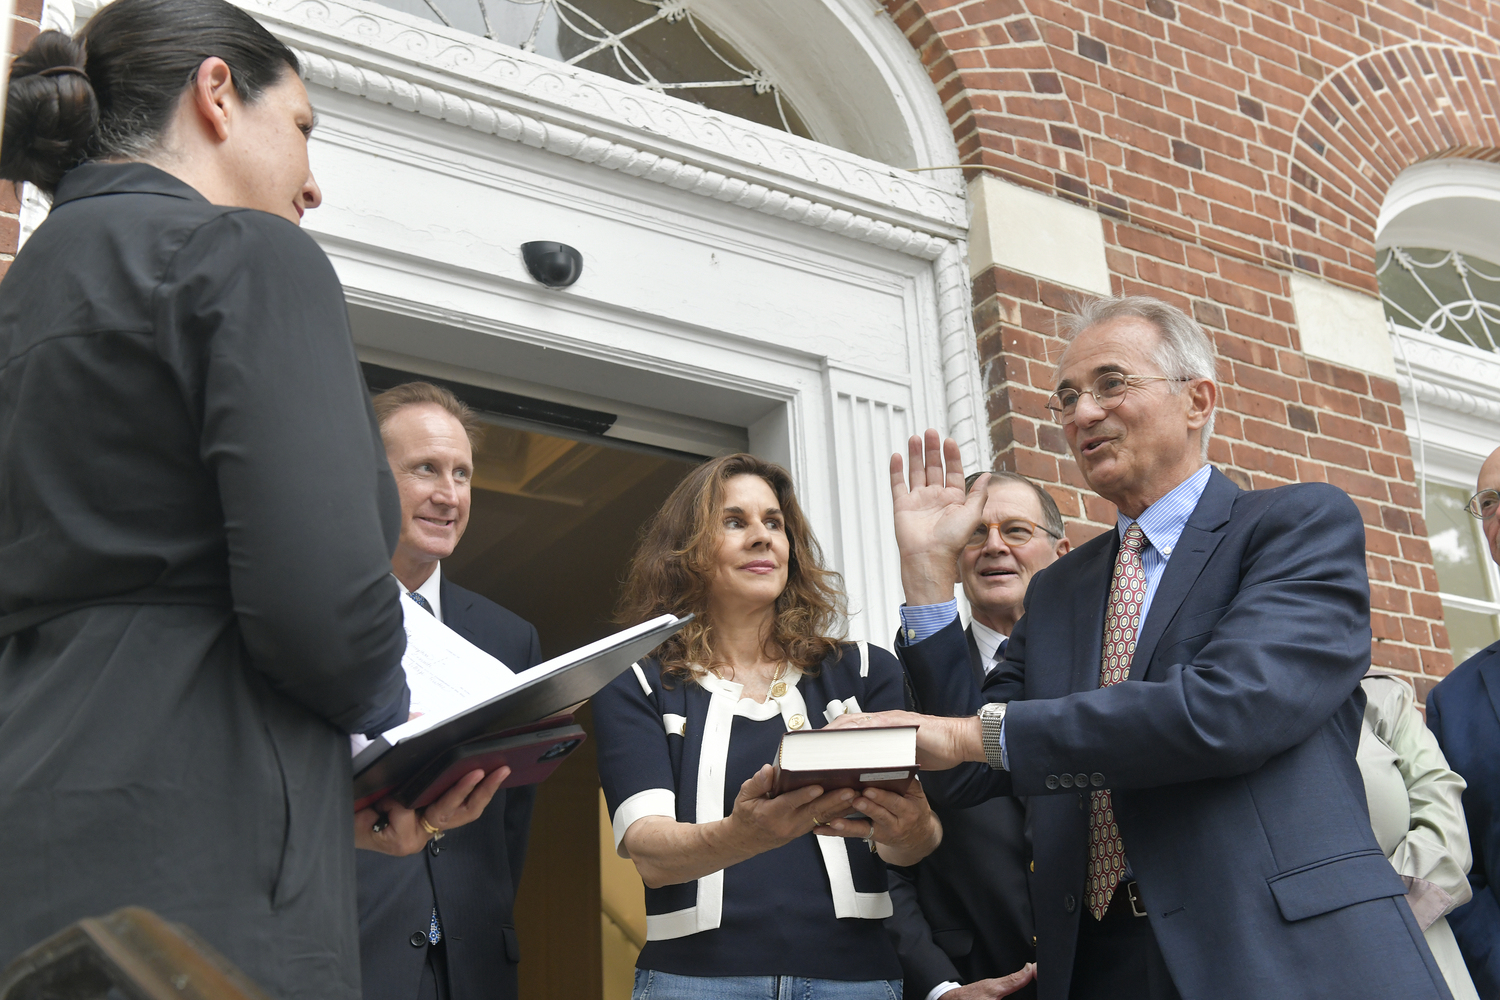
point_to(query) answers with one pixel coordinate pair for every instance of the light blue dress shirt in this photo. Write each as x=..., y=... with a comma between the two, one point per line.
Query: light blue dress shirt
x=1161, y=523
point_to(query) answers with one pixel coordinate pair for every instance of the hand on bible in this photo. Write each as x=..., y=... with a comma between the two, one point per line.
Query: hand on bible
x=941, y=742
x=934, y=517
x=402, y=831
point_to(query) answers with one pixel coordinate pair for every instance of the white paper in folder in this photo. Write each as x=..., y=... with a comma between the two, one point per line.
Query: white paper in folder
x=446, y=673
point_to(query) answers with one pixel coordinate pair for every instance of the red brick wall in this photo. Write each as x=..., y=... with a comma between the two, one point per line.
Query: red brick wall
x=1226, y=146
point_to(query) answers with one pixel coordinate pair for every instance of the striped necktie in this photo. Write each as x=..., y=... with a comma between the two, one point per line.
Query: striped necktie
x=1122, y=623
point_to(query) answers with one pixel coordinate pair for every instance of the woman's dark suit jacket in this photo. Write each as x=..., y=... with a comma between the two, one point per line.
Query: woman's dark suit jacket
x=192, y=487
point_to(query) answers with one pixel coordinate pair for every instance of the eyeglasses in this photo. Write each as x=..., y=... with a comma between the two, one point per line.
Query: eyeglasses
x=1484, y=504
x=1108, y=390
x=1016, y=531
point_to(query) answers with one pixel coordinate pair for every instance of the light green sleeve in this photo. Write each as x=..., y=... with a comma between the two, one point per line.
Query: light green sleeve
x=1433, y=859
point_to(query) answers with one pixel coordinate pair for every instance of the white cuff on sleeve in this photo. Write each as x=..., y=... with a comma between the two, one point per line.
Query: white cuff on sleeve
x=651, y=802
x=942, y=988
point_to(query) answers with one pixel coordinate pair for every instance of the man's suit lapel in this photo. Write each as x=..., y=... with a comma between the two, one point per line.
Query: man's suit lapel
x=455, y=608
x=1489, y=676
x=1090, y=599
x=1203, y=533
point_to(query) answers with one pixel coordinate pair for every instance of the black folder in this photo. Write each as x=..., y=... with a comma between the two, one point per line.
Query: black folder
x=381, y=767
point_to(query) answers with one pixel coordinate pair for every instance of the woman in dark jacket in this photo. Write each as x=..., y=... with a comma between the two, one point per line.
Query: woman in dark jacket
x=743, y=900
x=196, y=515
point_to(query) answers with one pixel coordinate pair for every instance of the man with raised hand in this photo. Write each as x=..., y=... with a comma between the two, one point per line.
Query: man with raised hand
x=962, y=922
x=1179, y=702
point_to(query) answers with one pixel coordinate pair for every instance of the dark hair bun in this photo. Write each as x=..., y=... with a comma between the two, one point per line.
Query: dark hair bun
x=50, y=112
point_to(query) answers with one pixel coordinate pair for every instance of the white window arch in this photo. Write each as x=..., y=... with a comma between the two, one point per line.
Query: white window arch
x=1438, y=262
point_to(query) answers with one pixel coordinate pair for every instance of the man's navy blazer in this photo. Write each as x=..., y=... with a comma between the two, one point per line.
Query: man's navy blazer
x=1463, y=712
x=1229, y=753
x=963, y=913
x=471, y=875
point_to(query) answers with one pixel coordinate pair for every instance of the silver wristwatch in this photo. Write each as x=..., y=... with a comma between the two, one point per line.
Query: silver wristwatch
x=991, y=719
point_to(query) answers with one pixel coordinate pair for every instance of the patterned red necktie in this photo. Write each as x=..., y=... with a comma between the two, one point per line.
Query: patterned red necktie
x=1122, y=622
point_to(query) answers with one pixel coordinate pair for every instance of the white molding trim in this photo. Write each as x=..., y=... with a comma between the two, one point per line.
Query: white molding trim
x=1449, y=398
x=782, y=201
x=392, y=58
x=1449, y=375
x=968, y=423
x=1450, y=394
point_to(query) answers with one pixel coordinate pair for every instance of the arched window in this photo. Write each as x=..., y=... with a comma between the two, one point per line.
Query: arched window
x=659, y=44
x=1442, y=293
x=1438, y=242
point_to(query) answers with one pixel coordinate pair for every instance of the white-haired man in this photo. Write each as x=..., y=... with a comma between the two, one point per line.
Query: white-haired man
x=1179, y=703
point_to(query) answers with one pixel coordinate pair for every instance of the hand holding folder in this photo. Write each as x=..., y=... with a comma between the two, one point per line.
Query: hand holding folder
x=391, y=828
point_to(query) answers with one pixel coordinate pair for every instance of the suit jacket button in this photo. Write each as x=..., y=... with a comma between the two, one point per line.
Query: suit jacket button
x=1033, y=869
x=1070, y=902
x=1051, y=781
x=1066, y=780
x=1081, y=780
x=1096, y=779
x=418, y=939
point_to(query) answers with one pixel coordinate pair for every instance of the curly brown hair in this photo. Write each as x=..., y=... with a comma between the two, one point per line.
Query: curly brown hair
x=677, y=558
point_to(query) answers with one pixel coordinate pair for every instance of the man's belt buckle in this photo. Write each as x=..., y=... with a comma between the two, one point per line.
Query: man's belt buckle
x=1136, y=906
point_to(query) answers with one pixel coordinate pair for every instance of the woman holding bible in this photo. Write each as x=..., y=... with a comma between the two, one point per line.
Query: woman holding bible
x=745, y=891
x=196, y=511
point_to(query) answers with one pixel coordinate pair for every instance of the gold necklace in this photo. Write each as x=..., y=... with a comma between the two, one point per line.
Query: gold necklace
x=778, y=686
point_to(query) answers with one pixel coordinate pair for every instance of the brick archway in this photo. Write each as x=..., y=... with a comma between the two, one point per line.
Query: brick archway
x=1363, y=125
x=999, y=82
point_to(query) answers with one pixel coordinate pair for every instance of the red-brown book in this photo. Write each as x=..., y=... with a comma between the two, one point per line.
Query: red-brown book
x=878, y=757
x=531, y=752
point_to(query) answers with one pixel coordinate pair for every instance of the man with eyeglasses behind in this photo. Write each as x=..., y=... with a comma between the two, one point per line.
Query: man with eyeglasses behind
x=1463, y=712
x=1180, y=703
x=962, y=922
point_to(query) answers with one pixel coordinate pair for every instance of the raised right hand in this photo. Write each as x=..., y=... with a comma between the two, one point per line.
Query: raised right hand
x=760, y=824
x=934, y=517
x=991, y=989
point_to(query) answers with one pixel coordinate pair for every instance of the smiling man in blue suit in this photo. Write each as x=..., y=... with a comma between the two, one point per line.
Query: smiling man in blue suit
x=1463, y=712
x=438, y=925
x=1180, y=702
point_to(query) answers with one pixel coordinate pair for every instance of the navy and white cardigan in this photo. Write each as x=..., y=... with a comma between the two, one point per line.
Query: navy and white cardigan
x=662, y=752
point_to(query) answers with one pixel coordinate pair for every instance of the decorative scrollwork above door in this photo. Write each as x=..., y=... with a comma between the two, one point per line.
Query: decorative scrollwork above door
x=657, y=44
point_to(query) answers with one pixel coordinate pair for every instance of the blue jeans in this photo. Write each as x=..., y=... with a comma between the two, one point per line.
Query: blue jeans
x=653, y=985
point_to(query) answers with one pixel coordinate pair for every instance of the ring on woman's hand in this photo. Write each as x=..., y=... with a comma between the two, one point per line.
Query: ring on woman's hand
x=436, y=833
